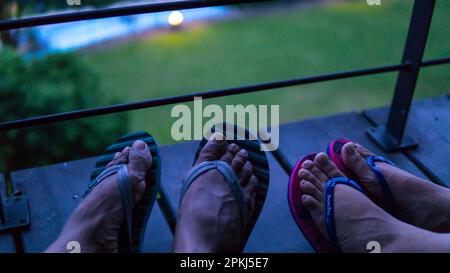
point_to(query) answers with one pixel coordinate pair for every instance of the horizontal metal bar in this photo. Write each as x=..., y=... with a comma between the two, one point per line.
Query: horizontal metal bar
x=115, y=12
x=435, y=62
x=104, y=110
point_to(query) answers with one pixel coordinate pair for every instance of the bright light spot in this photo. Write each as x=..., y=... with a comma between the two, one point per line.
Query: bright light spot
x=176, y=18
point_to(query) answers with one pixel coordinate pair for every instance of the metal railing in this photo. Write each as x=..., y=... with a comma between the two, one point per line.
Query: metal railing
x=389, y=137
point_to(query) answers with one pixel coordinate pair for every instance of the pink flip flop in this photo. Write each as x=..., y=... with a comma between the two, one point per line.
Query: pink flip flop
x=301, y=215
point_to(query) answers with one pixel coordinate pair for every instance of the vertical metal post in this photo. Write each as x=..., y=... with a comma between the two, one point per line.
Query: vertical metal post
x=391, y=137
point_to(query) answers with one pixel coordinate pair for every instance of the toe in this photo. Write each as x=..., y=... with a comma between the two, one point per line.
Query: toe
x=120, y=157
x=232, y=149
x=363, y=151
x=140, y=158
x=355, y=161
x=252, y=184
x=250, y=192
x=213, y=149
x=239, y=160
x=310, y=189
x=140, y=161
x=324, y=163
x=310, y=202
x=304, y=174
x=114, y=161
x=245, y=173
x=310, y=166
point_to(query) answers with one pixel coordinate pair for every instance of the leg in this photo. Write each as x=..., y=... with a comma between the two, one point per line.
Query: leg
x=420, y=202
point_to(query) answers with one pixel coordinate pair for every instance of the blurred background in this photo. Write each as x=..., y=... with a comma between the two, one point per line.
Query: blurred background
x=71, y=66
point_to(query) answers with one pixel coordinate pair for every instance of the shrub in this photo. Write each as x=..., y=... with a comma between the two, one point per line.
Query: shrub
x=52, y=84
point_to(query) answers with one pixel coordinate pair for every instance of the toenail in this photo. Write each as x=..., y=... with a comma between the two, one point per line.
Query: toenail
x=307, y=164
x=350, y=148
x=243, y=152
x=323, y=159
x=217, y=137
x=233, y=146
x=139, y=145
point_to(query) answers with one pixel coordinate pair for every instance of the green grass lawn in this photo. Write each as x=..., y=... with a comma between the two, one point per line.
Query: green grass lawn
x=255, y=49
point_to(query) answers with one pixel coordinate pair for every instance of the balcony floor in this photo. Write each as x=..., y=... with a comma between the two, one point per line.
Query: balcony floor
x=50, y=189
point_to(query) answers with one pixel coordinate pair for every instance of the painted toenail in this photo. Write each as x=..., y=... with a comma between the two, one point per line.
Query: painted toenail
x=139, y=145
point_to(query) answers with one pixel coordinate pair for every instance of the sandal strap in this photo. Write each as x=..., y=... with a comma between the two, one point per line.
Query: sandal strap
x=385, y=189
x=126, y=193
x=329, y=206
x=229, y=176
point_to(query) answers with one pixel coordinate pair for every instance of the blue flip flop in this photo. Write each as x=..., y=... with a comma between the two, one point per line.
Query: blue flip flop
x=329, y=207
x=387, y=193
x=131, y=234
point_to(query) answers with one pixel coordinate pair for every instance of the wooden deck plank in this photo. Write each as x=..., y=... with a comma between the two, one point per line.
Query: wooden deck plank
x=6, y=240
x=51, y=192
x=276, y=231
x=429, y=123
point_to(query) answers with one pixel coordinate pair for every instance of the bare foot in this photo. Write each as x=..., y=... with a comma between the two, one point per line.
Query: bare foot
x=418, y=202
x=96, y=222
x=209, y=217
x=358, y=220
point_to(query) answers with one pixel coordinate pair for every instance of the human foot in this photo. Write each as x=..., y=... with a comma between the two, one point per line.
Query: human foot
x=209, y=217
x=416, y=201
x=96, y=222
x=357, y=220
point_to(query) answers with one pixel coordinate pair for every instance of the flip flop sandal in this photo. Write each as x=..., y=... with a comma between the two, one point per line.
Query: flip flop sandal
x=303, y=218
x=301, y=215
x=131, y=234
x=261, y=170
x=334, y=151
